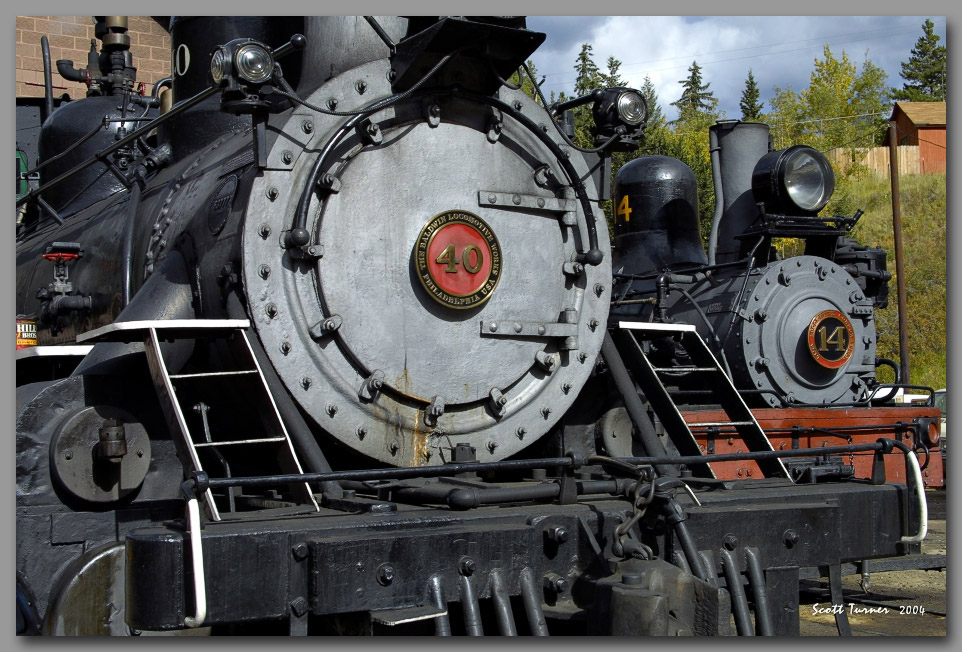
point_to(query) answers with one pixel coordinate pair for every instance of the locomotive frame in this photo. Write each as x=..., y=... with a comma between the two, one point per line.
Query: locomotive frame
x=540, y=466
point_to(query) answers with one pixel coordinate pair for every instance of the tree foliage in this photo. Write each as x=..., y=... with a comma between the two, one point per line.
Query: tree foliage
x=925, y=71
x=655, y=114
x=750, y=105
x=695, y=96
x=589, y=78
x=527, y=86
x=842, y=106
x=612, y=77
x=589, y=75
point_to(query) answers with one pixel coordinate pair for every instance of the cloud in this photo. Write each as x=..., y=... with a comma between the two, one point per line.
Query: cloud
x=780, y=50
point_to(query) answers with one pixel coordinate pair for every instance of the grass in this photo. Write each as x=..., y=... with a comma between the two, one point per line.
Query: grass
x=923, y=211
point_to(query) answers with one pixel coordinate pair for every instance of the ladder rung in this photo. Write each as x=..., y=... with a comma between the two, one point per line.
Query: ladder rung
x=716, y=424
x=265, y=440
x=683, y=369
x=211, y=374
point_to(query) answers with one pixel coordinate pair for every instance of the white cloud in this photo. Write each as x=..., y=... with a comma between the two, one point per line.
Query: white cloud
x=780, y=50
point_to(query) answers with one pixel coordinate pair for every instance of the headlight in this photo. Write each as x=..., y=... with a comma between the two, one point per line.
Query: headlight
x=254, y=63
x=219, y=65
x=795, y=179
x=631, y=107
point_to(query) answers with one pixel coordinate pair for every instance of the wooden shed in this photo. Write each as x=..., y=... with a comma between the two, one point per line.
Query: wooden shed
x=923, y=124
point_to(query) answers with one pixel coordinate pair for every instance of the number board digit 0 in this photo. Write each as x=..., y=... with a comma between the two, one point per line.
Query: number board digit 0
x=458, y=259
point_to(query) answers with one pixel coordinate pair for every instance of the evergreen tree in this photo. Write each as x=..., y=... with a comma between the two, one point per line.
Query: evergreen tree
x=695, y=98
x=924, y=73
x=655, y=115
x=612, y=77
x=589, y=75
x=751, y=107
x=589, y=78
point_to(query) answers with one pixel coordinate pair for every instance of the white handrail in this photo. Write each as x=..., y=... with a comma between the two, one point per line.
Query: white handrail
x=197, y=562
x=923, y=506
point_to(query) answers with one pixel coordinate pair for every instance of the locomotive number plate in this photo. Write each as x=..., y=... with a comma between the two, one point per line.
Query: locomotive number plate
x=458, y=259
x=831, y=339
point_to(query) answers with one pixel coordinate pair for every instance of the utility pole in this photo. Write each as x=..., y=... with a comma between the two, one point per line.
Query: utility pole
x=899, y=259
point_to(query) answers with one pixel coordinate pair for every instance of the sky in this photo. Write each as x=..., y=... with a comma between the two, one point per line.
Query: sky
x=780, y=50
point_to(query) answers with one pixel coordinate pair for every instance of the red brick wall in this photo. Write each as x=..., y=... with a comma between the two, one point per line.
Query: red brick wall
x=69, y=38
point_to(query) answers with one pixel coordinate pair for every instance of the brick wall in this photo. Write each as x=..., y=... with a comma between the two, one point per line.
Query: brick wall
x=69, y=38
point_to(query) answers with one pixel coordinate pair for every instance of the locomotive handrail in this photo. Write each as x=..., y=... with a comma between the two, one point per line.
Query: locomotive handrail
x=923, y=506
x=201, y=482
x=298, y=235
x=594, y=255
x=132, y=136
x=403, y=473
x=197, y=563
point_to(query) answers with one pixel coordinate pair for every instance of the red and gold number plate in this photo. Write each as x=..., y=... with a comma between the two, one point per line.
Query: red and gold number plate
x=458, y=259
x=831, y=339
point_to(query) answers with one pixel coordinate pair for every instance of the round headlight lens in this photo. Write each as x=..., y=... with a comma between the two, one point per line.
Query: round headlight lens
x=808, y=179
x=631, y=108
x=797, y=179
x=254, y=63
x=219, y=65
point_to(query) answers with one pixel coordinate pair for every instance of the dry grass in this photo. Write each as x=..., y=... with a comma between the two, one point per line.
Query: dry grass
x=923, y=210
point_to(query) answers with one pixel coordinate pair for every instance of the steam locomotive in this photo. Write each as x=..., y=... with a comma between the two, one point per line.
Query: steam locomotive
x=334, y=341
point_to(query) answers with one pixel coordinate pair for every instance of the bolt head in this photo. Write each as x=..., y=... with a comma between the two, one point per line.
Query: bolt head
x=299, y=551
x=299, y=607
x=467, y=566
x=385, y=574
x=557, y=534
x=730, y=542
x=791, y=538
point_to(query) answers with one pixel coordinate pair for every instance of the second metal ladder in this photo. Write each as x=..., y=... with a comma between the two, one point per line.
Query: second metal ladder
x=630, y=336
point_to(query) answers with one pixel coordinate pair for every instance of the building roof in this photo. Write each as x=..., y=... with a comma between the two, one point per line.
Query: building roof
x=922, y=113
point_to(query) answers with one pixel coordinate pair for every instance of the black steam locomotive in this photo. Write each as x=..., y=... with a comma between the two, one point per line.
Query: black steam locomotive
x=334, y=341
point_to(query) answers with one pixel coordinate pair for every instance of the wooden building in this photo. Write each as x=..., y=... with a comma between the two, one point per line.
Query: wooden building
x=923, y=124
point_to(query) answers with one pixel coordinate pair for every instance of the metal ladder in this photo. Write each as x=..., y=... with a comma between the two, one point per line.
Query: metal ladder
x=706, y=365
x=182, y=394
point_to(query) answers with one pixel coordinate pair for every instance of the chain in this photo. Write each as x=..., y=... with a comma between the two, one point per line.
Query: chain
x=640, y=501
